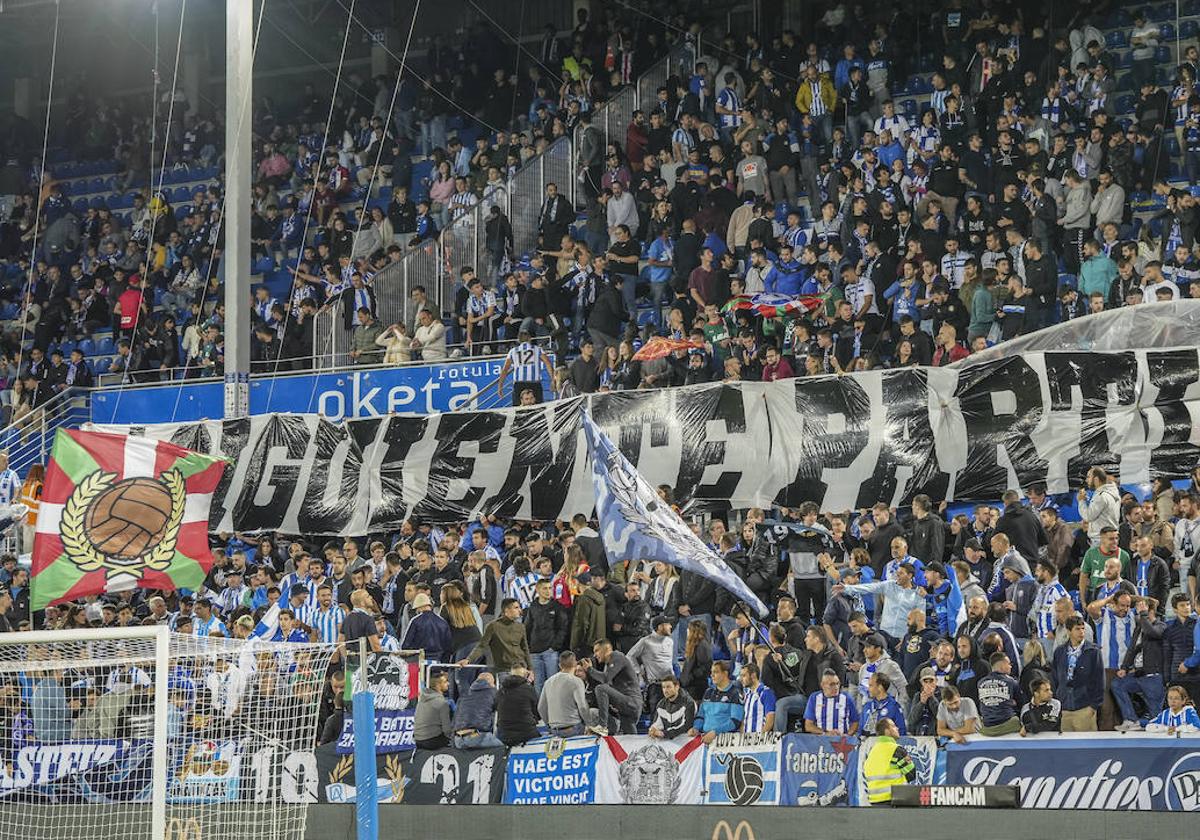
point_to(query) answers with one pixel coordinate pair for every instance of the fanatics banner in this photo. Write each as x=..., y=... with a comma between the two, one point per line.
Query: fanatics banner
x=846, y=442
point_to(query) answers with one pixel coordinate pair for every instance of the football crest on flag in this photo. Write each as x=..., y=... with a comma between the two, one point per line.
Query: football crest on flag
x=120, y=513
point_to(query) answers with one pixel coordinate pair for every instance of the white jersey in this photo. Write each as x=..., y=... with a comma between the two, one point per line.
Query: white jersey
x=525, y=361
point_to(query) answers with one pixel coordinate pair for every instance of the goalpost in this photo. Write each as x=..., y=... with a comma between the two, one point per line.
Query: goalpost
x=142, y=734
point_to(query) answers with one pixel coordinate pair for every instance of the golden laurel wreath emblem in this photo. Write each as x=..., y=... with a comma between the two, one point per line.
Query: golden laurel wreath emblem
x=82, y=549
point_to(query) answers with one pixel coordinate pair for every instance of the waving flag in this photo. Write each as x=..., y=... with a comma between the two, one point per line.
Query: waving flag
x=120, y=512
x=636, y=525
x=770, y=305
x=659, y=348
x=268, y=625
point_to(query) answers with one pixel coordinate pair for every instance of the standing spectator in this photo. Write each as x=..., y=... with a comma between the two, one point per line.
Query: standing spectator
x=1078, y=679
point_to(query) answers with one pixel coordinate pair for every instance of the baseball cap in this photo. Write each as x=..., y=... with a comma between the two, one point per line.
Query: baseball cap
x=422, y=600
x=660, y=619
x=927, y=674
x=874, y=640
x=973, y=544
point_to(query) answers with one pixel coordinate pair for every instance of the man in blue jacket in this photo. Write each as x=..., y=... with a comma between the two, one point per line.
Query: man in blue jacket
x=786, y=276
x=428, y=631
x=1078, y=679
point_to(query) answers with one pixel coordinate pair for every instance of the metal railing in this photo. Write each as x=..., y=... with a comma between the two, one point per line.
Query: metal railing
x=437, y=264
x=28, y=440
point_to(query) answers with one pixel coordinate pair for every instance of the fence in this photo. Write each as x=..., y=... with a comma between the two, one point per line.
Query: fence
x=436, y=265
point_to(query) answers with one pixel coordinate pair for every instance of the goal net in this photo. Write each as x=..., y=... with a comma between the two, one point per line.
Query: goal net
x=142, y=734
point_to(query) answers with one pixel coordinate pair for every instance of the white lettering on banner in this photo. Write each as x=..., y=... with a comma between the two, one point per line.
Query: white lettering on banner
x=42, y=765
x=1103, y=789
x=843, y=443
x=400, y=398
x=361, y=402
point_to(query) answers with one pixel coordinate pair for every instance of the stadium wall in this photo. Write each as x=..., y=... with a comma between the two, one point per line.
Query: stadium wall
x=616, y=822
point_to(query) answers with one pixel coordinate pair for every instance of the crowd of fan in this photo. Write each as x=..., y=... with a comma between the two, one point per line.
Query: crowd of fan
x=779, y=166
x=1064, y=626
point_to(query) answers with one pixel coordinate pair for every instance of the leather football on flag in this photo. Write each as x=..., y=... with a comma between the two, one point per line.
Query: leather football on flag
x=120, y=512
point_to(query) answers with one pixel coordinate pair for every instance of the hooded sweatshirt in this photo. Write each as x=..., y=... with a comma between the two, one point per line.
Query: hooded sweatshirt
x=653, y=657
x=432, y=717
x=516, y=711
x=967, y=672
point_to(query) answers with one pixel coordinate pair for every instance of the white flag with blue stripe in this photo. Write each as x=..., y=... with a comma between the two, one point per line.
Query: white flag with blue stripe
x=636, y=525
x=268, y=625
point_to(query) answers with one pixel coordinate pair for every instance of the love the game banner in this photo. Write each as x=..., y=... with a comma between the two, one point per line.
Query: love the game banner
x=846, y=442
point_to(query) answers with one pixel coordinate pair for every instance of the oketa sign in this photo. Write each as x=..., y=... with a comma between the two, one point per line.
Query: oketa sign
x=349, y=394
x=1143, y=773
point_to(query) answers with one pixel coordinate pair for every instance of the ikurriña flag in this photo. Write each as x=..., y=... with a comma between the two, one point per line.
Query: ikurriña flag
x=118, y=513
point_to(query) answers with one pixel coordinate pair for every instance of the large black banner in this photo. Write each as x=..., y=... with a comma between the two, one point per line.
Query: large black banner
x=842, y=441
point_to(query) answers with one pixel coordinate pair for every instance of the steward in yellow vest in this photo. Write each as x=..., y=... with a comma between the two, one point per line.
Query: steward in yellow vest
x=887, y=764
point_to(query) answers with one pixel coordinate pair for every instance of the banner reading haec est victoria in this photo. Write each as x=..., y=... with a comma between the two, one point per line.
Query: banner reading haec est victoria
x=845, y=442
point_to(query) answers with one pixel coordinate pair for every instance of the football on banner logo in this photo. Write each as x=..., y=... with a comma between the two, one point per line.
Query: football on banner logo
x=639, y=770
x=743, y=769
x=120, y=512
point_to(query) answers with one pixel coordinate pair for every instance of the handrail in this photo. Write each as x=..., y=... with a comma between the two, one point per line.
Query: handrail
x=28, y=441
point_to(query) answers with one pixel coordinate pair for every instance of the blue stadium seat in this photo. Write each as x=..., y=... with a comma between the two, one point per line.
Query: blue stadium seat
x=67, y=347
x=1171, y=144
x=1163, y=54
x=101, y=365
x=105, y=346
x=1187, y=29
x=1125, y=103
x=781, y=211
x=1166, y=32
x=1116, y=40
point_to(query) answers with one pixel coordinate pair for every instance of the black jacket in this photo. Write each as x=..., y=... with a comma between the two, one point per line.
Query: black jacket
x=546, y=626
x=608, y=312
x=698, y=593
x=516, y=711
x=1147, y=639
x=815, y=664
x=694, y=674
x=1024, y=530
x=927, y=539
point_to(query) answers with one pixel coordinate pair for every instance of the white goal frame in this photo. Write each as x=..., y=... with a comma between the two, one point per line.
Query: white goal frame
x=161, y=635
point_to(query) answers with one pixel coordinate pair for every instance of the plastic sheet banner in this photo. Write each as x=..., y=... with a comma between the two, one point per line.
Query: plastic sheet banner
x=1146, y=773
x=394, y=681
x=743, y=769
x=818, y=770
x=640, y=770
x=845, y=442
x=558, y=771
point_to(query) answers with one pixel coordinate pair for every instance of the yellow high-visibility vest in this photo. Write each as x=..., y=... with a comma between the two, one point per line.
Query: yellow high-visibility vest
x=878, y=771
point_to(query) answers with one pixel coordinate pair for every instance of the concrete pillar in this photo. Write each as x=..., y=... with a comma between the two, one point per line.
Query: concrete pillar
x=24, y=97
x=239, y=45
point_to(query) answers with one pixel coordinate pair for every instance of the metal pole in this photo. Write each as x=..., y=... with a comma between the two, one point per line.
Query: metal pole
x=239, y=65
x=365, y=781
x=158, y=765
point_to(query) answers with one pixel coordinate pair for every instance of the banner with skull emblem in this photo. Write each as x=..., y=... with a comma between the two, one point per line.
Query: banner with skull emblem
x=640, y=770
